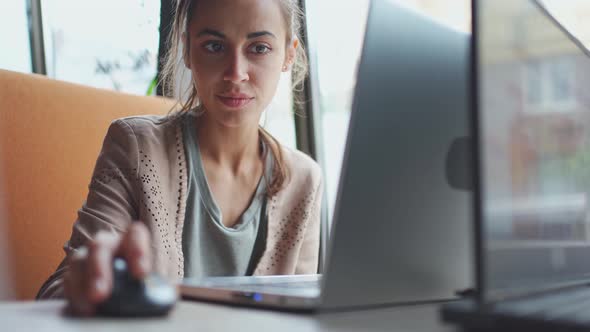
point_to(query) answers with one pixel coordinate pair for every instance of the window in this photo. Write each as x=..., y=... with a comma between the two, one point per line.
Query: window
x=561, y=76
x=110, y=44
x=533, y=83
x=337, y=57
x=549, y=84
x=14, y=35
x=277, y=119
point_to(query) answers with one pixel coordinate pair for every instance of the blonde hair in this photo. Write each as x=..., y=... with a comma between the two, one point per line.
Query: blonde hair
x=174, y=60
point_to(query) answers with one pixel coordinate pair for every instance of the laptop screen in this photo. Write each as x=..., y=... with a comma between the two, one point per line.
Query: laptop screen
x=534, y=121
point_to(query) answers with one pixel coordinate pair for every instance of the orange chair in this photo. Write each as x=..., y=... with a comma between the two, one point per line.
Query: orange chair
x=50, y=135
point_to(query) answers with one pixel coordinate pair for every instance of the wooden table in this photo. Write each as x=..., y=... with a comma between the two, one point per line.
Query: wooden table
x=195, y=316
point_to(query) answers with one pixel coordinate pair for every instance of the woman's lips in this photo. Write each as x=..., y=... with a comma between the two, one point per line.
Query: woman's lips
x=235, y=102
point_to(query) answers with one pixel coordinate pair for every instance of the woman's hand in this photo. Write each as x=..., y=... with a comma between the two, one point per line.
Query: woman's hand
x=89, y=279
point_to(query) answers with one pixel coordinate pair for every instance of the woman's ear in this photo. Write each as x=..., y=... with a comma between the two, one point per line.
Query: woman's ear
x=186, y=50
x=290, y=54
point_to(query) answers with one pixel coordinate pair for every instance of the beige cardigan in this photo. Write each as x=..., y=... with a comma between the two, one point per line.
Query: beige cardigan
x=140, y=174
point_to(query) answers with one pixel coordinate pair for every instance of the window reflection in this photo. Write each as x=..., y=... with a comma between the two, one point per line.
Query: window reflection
x=536, y=134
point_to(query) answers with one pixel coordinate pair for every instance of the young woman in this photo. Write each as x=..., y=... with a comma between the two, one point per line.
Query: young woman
x=203, y=191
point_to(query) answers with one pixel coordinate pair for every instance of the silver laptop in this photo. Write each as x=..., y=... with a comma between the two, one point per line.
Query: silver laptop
x=401, y=229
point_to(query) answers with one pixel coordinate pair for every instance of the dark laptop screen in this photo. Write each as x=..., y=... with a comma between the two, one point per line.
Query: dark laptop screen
x=534, y=102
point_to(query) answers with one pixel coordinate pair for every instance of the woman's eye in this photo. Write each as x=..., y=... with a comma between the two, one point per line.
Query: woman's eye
x=260, y=49
x=214, y=47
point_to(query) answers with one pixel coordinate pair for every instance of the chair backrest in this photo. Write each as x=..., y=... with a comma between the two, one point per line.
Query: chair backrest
x=6, y=289
x=50, y=135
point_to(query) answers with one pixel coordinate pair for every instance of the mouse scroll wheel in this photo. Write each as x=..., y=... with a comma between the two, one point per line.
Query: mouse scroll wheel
x=119, y=264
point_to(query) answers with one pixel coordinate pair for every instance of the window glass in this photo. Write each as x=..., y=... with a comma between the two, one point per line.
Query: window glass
x=278, y=119
x=110, y=44
x=336, y=47
x=14, y=35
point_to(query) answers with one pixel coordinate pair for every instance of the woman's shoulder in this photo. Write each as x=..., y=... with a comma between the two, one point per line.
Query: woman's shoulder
x=149, y=123
x=301, y=166
x=151, y=126
x=154, y=135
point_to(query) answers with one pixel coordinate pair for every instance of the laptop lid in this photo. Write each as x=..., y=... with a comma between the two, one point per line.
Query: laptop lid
x=401, y=226
x=533, y=135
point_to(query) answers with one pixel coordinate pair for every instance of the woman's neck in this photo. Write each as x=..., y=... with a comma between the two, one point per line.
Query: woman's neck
x=231, y=148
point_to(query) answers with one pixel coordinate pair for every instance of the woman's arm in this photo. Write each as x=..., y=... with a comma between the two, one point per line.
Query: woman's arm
x=111, y=204
x=307, y=262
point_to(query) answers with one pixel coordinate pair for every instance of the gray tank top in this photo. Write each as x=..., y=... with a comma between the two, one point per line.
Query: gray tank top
x=210, y=248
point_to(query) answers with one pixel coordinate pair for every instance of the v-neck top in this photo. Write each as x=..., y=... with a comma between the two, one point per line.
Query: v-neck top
x=210, y=248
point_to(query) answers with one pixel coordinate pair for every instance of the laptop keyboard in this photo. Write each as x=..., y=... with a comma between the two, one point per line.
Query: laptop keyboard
x=297, y=285
x=294, y=288
x=284, y=284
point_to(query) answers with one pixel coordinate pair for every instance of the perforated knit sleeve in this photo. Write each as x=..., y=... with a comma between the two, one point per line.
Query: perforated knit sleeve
x=111, y=204
x=307, y=262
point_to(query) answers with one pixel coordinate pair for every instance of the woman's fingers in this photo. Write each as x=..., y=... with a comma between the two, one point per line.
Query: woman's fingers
x=135, y=248
x=89, y=279
x=75, y=284
x=99, y=271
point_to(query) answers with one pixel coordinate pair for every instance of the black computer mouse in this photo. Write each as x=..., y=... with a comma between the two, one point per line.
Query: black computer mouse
x=130, y=297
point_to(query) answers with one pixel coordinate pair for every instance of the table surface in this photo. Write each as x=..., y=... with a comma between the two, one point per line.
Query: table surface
x=197, y=316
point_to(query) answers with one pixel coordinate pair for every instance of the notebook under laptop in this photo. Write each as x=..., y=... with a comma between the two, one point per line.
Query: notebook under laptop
x=532, y=130
x=401, y=223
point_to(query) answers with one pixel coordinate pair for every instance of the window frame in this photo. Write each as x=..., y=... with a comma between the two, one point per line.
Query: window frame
x=307, y=117
x=35, y=17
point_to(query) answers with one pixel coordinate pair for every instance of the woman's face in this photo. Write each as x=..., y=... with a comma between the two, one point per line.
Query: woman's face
x=237, y=51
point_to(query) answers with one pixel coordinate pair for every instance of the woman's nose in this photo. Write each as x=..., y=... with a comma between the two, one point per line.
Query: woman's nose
x=237, y=69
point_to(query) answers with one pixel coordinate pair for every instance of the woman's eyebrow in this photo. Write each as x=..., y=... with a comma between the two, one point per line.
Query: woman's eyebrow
x=211, y=32
x=260, y=34
x=219, y=34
